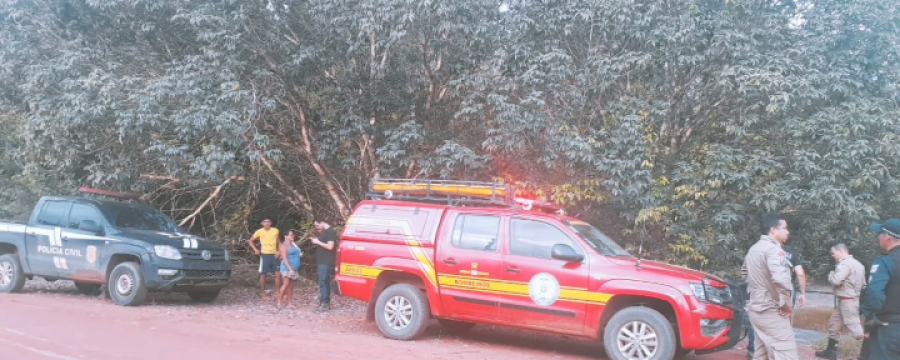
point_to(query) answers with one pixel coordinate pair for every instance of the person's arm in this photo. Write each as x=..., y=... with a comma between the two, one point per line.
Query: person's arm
x=327, y=241
x=251, y=242
x=838, y=276
x=878, y=279
x=801, y=279
x=282, y=252
x=781, y=278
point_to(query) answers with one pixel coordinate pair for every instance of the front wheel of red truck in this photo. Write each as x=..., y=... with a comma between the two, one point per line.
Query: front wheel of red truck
x=639, y=333
x=402, y=312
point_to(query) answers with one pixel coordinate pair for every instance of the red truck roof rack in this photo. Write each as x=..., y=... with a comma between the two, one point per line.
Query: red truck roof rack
x=113, y=194
x=454, y=193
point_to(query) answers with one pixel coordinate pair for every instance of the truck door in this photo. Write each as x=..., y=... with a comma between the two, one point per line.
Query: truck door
x=83, y=245
x=44, y=239
x=543, y=293
x=468, y=266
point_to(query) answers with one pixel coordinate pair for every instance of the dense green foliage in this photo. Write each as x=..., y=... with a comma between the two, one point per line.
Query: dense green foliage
x=684, y=121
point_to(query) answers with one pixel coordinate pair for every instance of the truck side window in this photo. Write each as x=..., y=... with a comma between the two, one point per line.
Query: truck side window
x=535, y=238
x=476, y=232
x=54, y=213
x=81, y=212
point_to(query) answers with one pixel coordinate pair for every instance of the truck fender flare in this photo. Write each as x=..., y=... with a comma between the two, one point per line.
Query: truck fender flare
x=113, y=249
x=413, y=268
x=661, y=292
x=17, y=245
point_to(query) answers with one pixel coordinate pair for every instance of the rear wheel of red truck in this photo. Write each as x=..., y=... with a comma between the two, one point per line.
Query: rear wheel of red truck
x=402, y=312
x=639, y=333
x=12, y=279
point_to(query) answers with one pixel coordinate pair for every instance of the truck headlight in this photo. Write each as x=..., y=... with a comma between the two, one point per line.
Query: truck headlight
x=712, y=291
x=167, y=252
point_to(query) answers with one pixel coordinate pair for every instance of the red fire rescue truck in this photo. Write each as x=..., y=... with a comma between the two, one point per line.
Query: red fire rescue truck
x=469, y=253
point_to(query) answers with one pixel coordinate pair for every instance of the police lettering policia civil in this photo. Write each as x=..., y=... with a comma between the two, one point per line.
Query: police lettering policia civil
x=848, y=279
x=881, y=304
x=769, y=283
x=268, y=256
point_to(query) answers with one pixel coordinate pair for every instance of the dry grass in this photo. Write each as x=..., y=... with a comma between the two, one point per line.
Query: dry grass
x=812, y=318
x=816, y=318
x=848, y=347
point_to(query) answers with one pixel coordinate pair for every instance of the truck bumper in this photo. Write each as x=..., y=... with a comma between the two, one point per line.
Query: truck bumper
x=736, y=332
x=182, y=276
x=740, y=324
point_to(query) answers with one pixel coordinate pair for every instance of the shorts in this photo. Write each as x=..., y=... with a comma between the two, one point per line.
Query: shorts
x=287, y=275
x=268, y=264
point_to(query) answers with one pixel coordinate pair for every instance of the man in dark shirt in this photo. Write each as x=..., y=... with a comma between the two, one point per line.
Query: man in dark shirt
x=882, y=295
x=326, y=256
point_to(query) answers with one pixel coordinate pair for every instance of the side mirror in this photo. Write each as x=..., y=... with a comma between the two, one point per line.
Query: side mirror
x=90, y=226
x=565, y=253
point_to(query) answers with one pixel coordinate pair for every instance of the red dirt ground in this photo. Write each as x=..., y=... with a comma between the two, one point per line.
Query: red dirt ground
x=54, y=323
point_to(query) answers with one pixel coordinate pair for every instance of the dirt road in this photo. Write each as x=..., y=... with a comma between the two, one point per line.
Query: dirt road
x=52, y=322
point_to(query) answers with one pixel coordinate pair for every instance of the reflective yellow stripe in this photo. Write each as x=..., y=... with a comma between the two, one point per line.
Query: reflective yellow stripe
x=361, y=271
x=415, y=249
x=502, y=287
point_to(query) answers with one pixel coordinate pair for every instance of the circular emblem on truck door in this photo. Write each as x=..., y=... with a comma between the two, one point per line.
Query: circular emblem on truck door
x=206, y=255
x=543, y=289
x=91, y=254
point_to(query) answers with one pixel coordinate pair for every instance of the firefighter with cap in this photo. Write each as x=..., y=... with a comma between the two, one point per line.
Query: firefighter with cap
x=882, y=296
x=769, y=283
x=848, y=279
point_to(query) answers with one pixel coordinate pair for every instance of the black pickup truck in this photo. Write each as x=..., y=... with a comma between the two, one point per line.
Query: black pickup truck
x=130, y=247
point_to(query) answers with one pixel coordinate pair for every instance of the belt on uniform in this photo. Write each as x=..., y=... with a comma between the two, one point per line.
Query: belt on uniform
x=842, y=298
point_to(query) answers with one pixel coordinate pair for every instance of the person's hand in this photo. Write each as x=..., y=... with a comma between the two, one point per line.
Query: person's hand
x=292, y=273
x=315, y=241
x=256, y=251
x=786, y=311
x=801, y=299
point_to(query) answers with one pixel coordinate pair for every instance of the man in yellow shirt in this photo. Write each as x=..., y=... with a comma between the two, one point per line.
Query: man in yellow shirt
x=268, y=255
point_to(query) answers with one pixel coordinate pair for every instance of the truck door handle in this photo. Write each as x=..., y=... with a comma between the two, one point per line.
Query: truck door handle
x=512, y=269
x=449, y=261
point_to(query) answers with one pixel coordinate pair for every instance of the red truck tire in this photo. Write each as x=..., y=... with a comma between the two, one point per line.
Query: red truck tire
x=639, y=332
x=402, y=312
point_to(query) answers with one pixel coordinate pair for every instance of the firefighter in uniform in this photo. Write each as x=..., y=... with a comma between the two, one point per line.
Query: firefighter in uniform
x=848, y=279
x=769, y=283
x=882, y=296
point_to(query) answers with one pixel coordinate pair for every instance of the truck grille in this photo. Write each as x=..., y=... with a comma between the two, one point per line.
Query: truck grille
x=206, y=274
x=194, y=254
x=205, y=277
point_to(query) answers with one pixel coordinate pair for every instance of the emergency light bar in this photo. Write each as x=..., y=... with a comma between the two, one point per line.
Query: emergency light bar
x=454, y=192
x=114, y=194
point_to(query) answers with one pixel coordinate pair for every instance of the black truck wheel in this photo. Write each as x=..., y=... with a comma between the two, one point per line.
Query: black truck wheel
x=12, y=280
x=639, y=333
x=87, y=288
x=126, y=285
x=203, y=296
x=402, y=312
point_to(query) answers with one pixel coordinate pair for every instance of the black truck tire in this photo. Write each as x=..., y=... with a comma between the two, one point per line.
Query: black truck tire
x=639, y=329
x=87, y=288
x=12, y=279
x=402, y=312
x=455, y=326
x=126, y=284
x=203, y=296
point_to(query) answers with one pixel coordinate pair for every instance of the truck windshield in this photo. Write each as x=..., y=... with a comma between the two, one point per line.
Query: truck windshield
x=136, y=218
x=597, y=239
